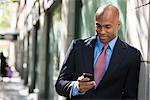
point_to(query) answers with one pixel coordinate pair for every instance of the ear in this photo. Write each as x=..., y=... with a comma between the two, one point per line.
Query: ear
x=119, y=25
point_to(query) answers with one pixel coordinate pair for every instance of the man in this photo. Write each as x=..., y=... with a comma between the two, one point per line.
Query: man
x=115, y=74
x=3, y=64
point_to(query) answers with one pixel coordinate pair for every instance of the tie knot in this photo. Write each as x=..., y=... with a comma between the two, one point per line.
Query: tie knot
x=105, y=47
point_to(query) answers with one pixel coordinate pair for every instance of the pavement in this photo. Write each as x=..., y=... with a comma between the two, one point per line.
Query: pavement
x=13, y=89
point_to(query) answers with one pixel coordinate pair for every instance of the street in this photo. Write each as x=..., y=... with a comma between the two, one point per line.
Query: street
x=13, y=89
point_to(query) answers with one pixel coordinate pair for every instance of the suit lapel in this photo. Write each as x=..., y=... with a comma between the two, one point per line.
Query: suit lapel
x=89, y=52
x=117, y=56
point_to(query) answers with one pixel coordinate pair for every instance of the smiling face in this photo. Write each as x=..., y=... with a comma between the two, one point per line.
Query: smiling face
x=107, y=23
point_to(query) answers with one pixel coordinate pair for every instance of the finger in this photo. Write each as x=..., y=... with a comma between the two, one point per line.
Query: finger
x=83, y=79
x=88, y=84
x=94, y=83
x=85, y=86
x=80, y=78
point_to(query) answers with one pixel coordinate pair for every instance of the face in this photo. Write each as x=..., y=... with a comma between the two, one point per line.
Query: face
x=107, y=25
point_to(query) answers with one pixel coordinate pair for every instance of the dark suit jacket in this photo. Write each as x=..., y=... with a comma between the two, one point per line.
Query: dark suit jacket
x=120, y=80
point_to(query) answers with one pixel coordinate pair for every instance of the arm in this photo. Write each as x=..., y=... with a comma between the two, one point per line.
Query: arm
x=69, y=81
x=132, y=80
x=66, y=77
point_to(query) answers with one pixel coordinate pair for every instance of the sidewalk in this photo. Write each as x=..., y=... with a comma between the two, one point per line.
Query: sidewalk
x=13, y=89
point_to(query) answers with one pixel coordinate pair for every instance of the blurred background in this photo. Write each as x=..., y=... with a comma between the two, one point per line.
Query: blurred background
x=35, y=35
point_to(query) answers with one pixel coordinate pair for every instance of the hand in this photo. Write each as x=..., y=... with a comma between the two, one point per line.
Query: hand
x=84, y=84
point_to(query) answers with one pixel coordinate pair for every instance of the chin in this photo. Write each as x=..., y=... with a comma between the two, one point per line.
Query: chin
x=104, y=42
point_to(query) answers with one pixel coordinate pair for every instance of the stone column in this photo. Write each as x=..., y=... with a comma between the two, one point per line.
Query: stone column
x=42, y=56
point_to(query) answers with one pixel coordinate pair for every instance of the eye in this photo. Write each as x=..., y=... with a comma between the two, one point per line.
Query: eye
x=107, y=26
x=98, y=25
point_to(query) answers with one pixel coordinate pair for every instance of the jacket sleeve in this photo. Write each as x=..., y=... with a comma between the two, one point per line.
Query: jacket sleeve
x=132, y=79
x=66, y=76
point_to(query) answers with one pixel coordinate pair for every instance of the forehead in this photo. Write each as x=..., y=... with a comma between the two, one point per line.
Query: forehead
x=108, y=17
x=103, y=20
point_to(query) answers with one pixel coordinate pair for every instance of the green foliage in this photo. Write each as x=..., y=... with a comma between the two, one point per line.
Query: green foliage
x=4, y=18
x=4, y=21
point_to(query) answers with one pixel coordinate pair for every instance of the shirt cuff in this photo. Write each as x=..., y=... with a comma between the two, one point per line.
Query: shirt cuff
x=74, y=89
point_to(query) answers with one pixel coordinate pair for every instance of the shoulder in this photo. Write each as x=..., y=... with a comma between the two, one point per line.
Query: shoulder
x=84, y=41
x=130, y=48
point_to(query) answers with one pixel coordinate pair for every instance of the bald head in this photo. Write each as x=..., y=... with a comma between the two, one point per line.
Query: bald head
x=107, y=23
x=108, y=10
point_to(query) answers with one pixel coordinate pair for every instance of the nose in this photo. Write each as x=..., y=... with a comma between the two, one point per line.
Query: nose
x=102, y=31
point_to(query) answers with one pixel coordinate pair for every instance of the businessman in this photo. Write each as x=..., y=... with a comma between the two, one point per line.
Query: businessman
x=112, y=65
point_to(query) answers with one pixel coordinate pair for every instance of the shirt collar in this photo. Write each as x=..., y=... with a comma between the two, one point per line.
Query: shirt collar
x=111, y=43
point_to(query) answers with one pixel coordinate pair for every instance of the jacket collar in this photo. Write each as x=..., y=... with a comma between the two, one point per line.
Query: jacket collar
x=90, y=41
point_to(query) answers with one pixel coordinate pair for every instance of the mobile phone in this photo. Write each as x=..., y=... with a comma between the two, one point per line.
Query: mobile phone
x=89, y=75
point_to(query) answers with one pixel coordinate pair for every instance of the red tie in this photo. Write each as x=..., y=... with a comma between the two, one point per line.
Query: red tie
x=100, y=65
